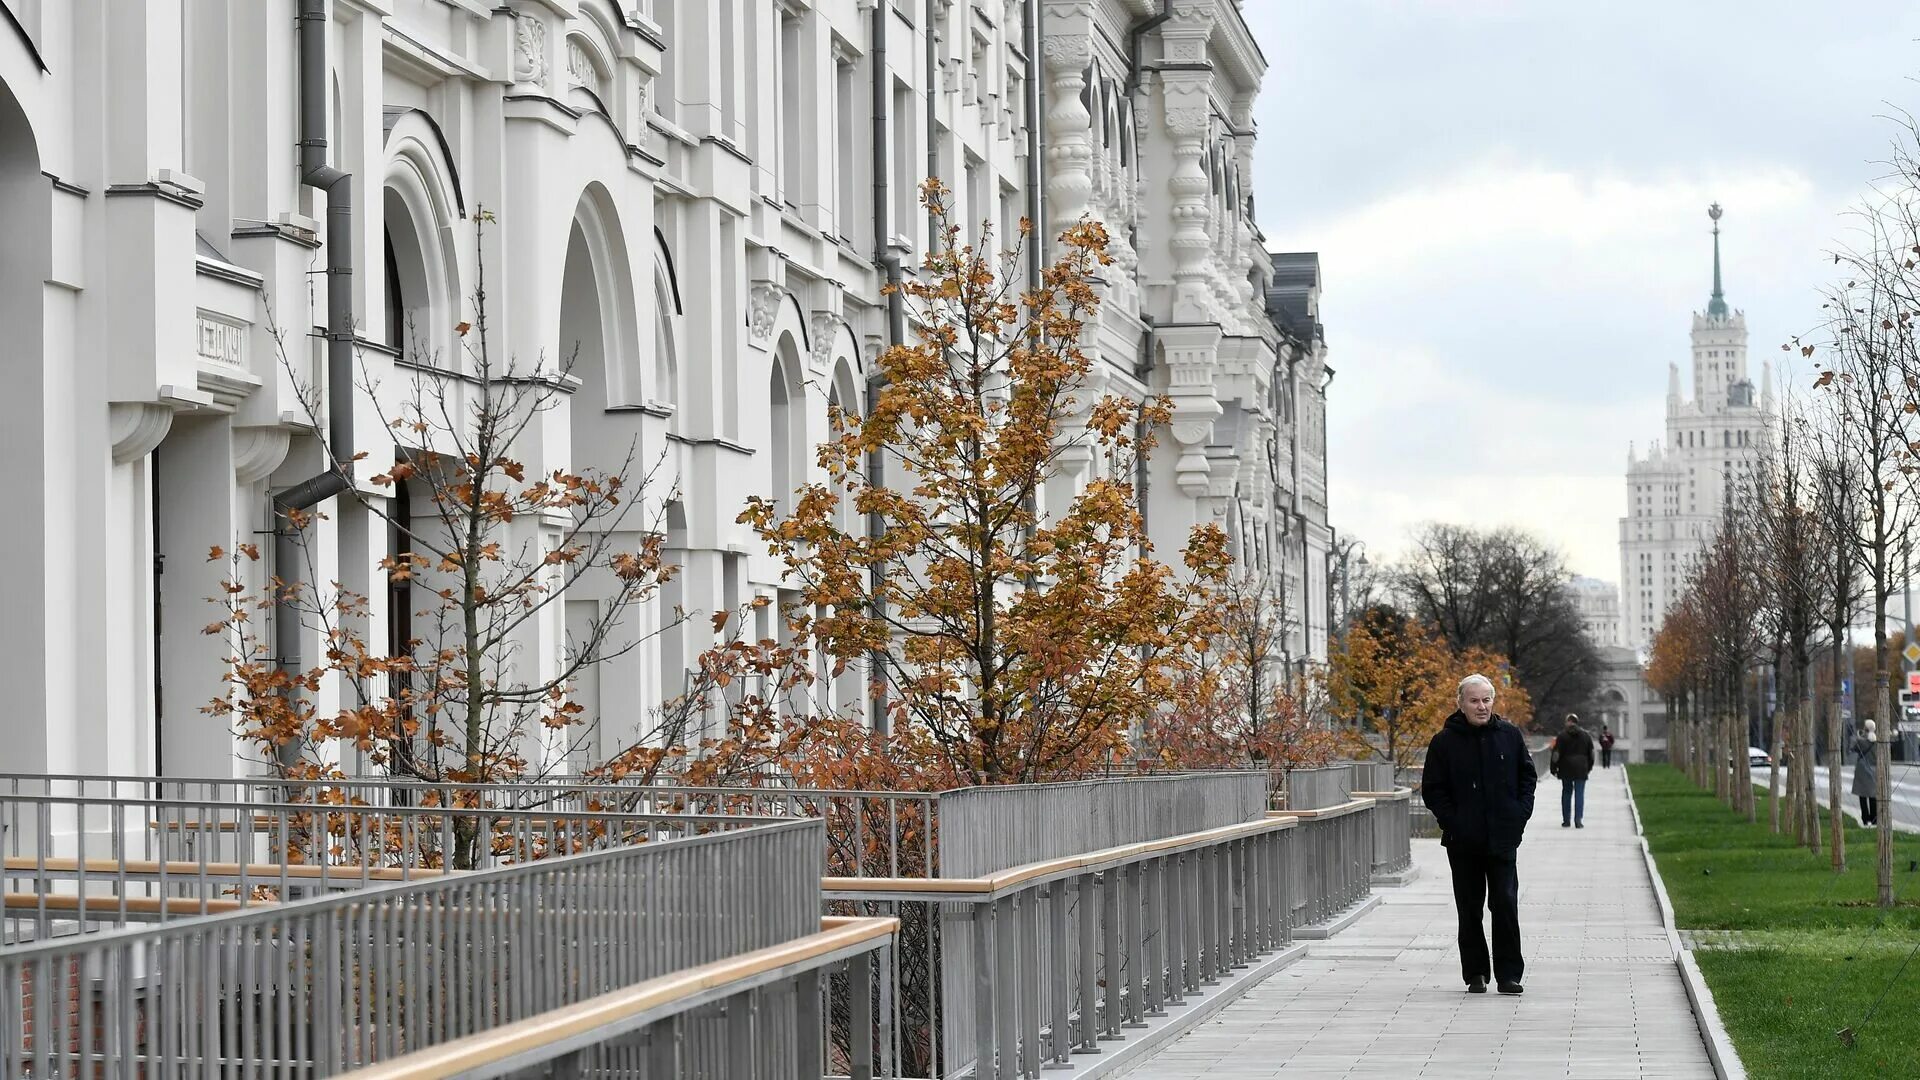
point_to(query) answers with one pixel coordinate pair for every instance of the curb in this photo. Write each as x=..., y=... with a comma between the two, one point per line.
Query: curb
x=1726, y=1061
x=1325, y=930
x=1122, y=1059
x=1398, y=879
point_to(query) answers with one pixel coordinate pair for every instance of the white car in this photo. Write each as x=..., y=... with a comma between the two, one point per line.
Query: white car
x=1758, y=758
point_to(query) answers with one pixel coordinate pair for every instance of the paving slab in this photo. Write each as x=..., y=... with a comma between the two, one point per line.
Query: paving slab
x=1384, y=997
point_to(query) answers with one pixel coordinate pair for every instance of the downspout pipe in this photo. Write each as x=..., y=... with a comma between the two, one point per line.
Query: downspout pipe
x=887, y=261
x=1035, y=106
x=318, y=174
x=1135, y=34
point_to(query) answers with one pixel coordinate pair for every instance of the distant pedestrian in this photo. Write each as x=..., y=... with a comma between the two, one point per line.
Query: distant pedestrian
x=1478, y=784
x=1606, y=747
x=1572, y=761
x=1866, y=775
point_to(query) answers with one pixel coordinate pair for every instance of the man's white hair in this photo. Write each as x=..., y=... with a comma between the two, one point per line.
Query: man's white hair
x=1476, y=679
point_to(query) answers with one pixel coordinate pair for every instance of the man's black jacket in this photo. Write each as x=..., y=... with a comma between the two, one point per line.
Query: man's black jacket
x=1479, y=784
x=1573, y=754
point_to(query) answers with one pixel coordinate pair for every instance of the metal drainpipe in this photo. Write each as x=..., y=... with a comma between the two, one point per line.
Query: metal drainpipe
x=887, y=261
x=933, y=121
x=1035, y=106
x=318, y=174
x=1135, y=35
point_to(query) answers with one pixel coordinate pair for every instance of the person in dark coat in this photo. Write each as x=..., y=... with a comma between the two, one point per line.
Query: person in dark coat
x=1606, y=747
x=1478, y=783
x=1572, y=761
x=1866, y=775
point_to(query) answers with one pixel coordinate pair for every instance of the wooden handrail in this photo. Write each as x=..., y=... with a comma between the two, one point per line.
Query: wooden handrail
x=498, y=1044
x=17, y=865
x=1396, y=795
x=1352, y=806
x=1004, y=880
x=132, y=905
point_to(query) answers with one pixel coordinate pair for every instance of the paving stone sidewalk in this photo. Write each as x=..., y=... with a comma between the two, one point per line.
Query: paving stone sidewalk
x=1384, y=998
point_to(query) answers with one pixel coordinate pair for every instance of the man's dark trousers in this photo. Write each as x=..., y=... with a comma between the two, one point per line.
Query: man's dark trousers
x=1484, y=881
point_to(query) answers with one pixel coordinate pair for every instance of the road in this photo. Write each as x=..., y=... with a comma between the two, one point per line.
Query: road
x=1906, y=792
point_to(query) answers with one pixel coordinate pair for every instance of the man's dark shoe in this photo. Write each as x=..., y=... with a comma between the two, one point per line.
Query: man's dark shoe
x=1477, y=986
x=1566, y=824
x=1579, y=824
x=1512, y=988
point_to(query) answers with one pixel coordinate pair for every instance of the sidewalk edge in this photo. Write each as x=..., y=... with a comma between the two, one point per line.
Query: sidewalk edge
x=1726, y=1060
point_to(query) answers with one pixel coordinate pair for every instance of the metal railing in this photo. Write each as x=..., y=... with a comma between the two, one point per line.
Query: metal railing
x=1372, y=776
x=985, y=829
x=1315, y=789
x=1025, y=969
x=1333, y=860
x=316, y=987
x=1392, y=830
x=80, y=863
x=664, y=1027
x=873, y=833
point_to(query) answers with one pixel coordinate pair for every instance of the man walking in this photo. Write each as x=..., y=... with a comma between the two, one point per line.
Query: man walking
x=1478, y=784
x=1572, y=761
x=1606, y=747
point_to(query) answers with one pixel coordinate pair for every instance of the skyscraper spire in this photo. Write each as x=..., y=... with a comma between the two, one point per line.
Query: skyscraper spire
x=1717, y=305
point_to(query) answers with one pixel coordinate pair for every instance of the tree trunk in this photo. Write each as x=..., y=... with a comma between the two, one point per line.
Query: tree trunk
x=1883, y=792
x=1836, y=835
x=1776, y=748
x=1809, y=805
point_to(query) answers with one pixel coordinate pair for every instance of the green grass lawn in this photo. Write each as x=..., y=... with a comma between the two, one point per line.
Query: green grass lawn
x=1725, y=874
x=1814, y=954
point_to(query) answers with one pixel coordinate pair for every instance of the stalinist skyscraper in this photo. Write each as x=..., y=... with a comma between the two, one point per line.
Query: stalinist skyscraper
x=1676, y=489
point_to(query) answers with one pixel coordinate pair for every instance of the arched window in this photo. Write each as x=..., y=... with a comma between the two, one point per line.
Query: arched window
x=419, y=204
x=781, y=406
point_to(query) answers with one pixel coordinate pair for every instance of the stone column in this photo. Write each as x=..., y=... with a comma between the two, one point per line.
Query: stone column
x=1191, y=351
x=1068, y=50
x=1188, y=113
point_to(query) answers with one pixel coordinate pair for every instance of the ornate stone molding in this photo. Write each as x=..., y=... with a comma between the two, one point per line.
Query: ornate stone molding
x=1064, y=49
x=1069, y=127
x=822, y=328
x=765, y=301
x=136, y=427
x=530, y=50
x=1186, y=121
x=1191, y=215
x=257, y=451
x=1190, y=357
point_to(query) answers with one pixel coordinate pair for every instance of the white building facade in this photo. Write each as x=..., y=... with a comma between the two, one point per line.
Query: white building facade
x=1677, y=488
x=1598, y=603
x=701, y=200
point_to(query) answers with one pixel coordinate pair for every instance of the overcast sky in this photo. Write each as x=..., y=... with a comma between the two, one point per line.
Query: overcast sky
x=1509, y=198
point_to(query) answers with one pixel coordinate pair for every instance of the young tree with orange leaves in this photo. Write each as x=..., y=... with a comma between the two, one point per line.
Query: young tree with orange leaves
x=1023, y=646
x=1236, y=702
x=488, y=548
x=1400, y=679
x=1676, y=668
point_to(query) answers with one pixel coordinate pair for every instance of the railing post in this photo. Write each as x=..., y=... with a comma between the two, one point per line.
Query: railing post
x=809, y=1057
x=860, y=1028
x=983, y=1005
x=1158, y=924
x=1060, y=988
x=1030, y=1005
x=742, y=1040
x=1136, y=904
x=1006, y=1009
x=1087, y=918
x=1172, y=891
x=1110, y=953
